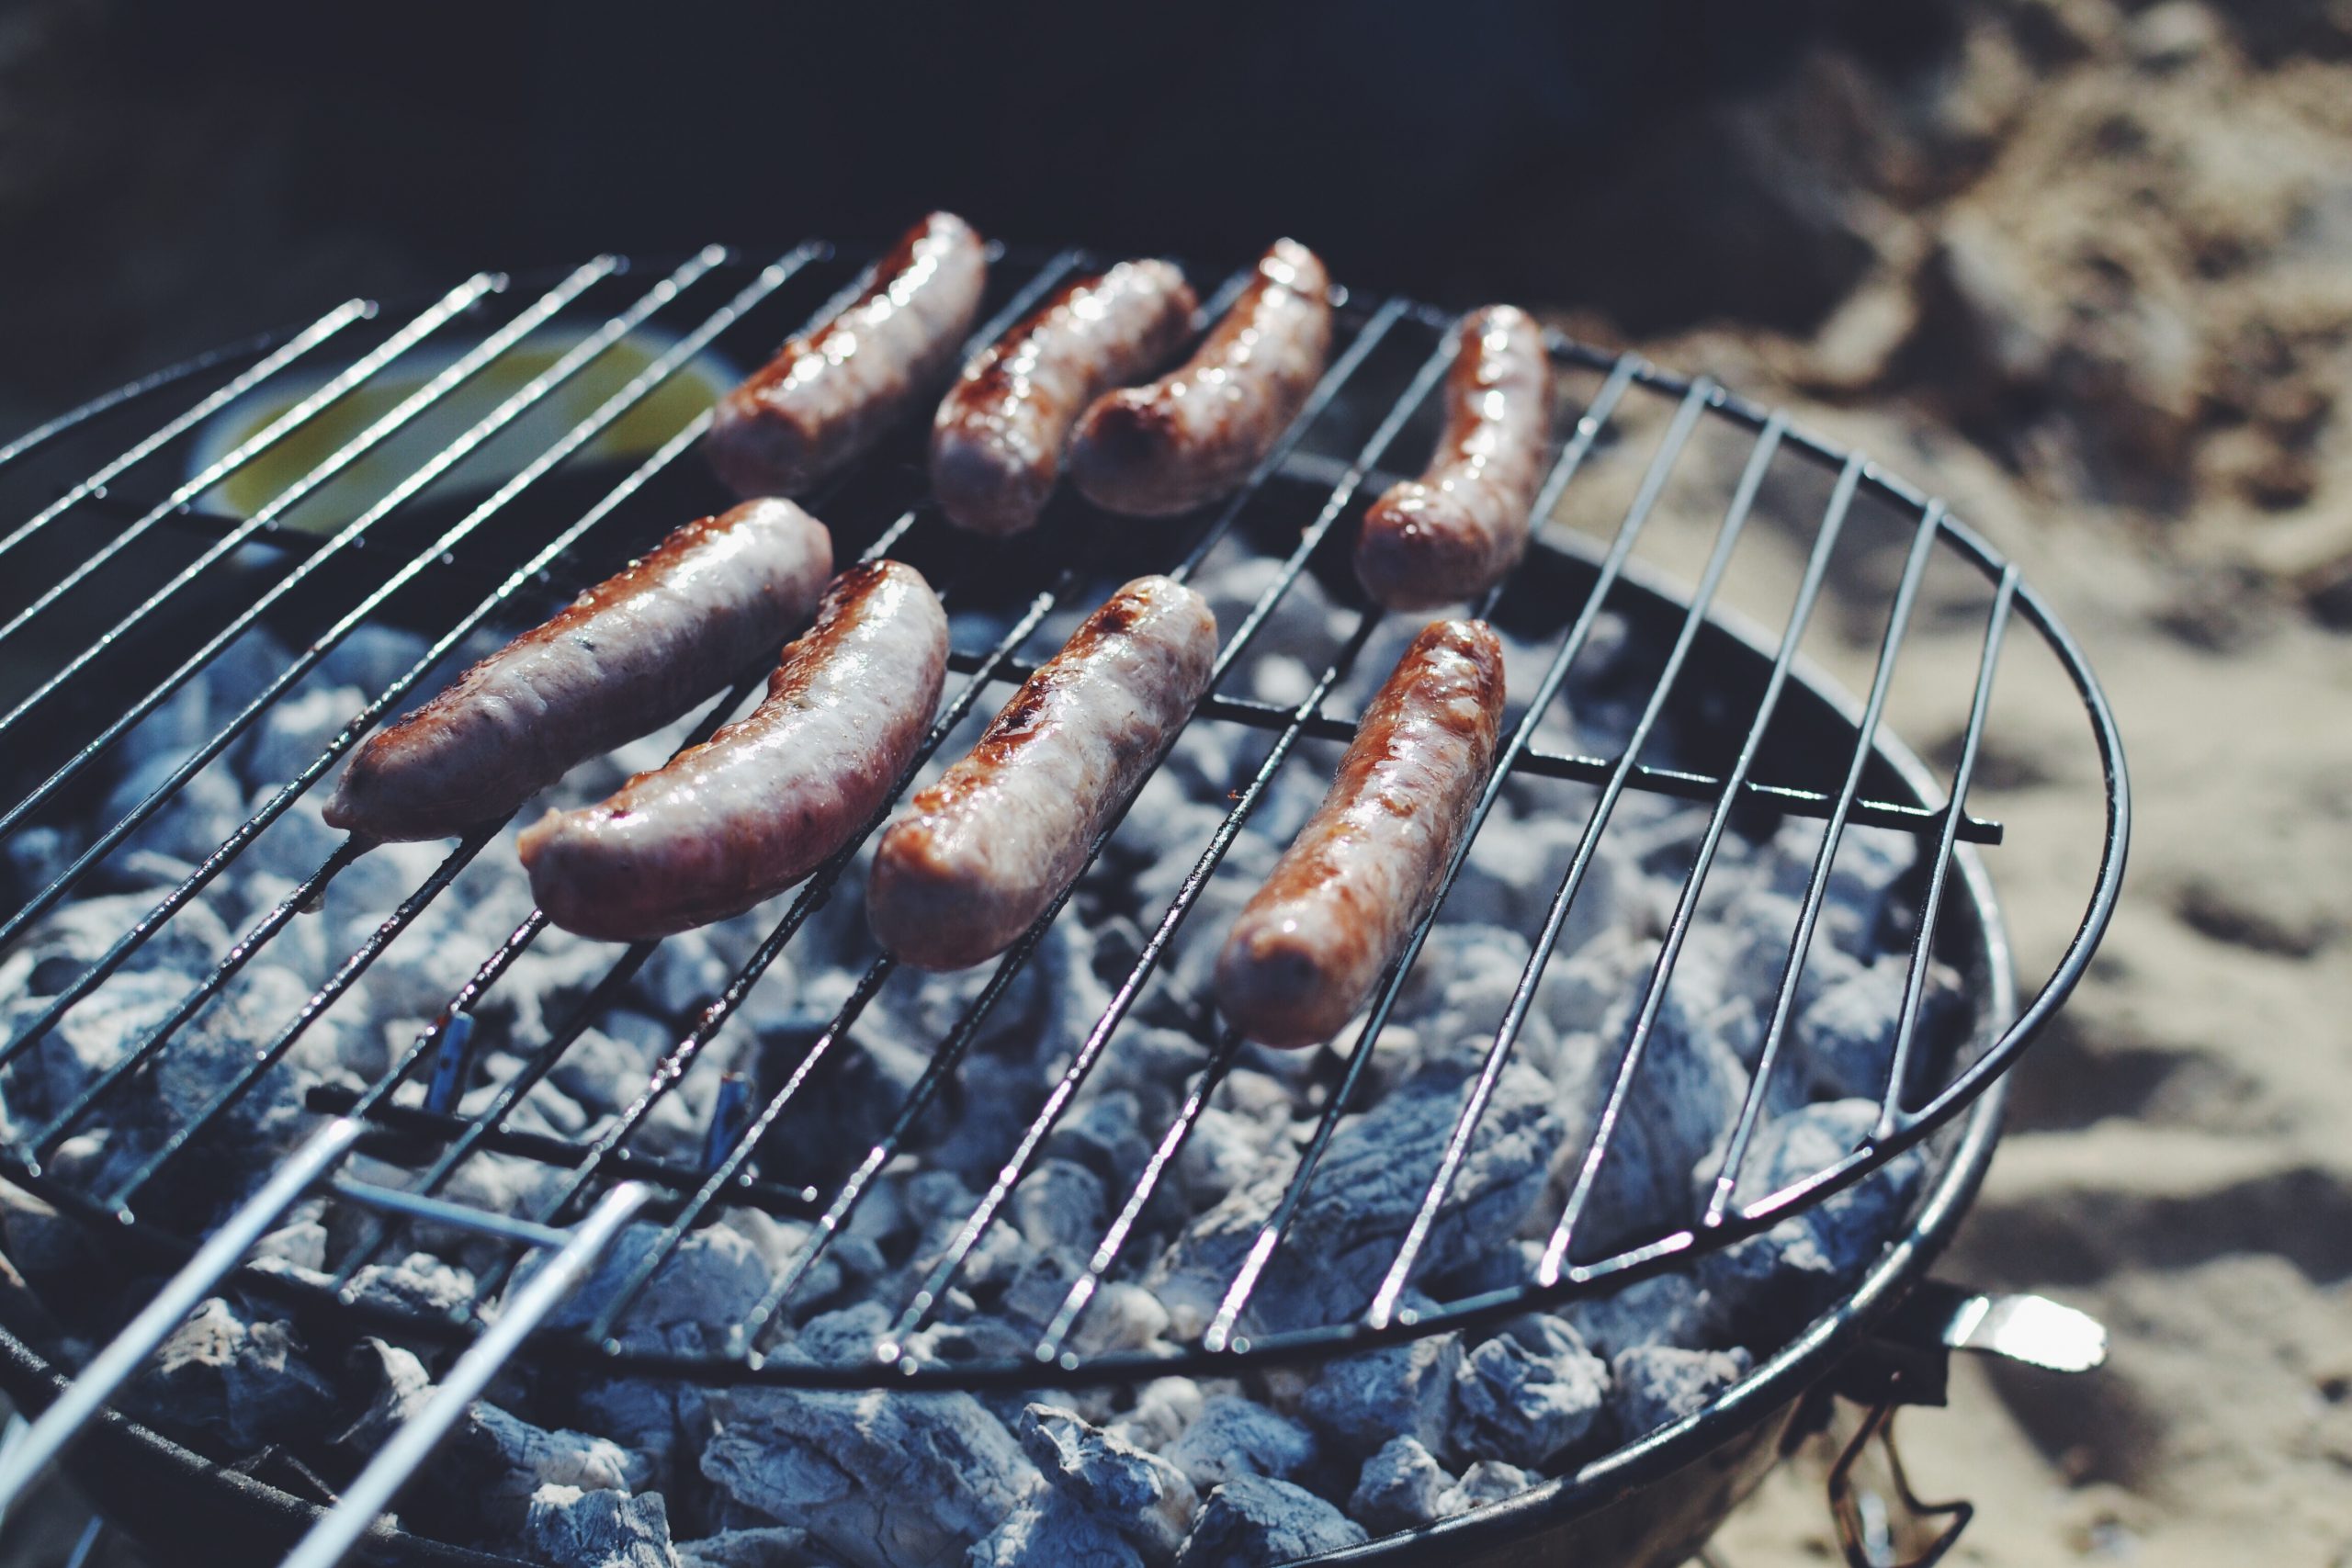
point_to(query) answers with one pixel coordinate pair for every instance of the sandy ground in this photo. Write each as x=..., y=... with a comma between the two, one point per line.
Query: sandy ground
x=2106, y=310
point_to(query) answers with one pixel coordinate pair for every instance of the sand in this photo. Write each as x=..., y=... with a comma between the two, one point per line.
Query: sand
x=2105, y=306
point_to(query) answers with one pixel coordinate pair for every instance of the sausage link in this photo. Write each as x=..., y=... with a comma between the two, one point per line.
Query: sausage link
x=1199, y=432
x=996, y=446
x=829, y=394
x=1454, y=532
x=1311, y=943
x=979, y=855
x=1461, y=525
x=761, y=804
x=625, y=658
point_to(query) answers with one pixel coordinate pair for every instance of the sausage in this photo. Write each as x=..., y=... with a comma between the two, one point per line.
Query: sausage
x=1311, y=943
x=1200, y=432
x=624, y=659
x=829, y=394
x=996, y=446
x=1454, y=532
x=761, y=804
x=979, y=855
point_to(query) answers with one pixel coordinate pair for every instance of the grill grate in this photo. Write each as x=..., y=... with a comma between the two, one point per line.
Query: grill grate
x=604, y=1177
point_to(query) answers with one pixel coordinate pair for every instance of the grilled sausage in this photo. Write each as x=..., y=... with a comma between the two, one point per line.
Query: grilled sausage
x=1454, y=532
x=624, y=659
x=977, y=856
x=1200, y=432
x=1311, y=943
x=828, y=394
x=761, y=804
x=996, y=446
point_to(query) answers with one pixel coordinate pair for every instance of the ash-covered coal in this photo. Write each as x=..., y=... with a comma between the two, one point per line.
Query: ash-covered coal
x=586, y=1473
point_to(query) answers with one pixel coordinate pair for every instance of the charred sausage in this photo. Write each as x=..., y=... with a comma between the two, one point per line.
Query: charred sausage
x=996, y=446
x=828, y=394
x=1311, y=943
x=761, y=804
x=1199, y=432
x=624, y=659
x=1454, y=532
x=979, y=855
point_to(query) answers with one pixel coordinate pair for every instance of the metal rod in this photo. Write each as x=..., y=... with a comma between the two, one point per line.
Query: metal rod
x=1219, y=1333
x=261, y=344
x=320, y=1000
x=1923, y=939
x=628, y=397
x=574, y=360
x=1146, y=961
x=730, y=1167
x=294, y=348
x=39, y=1144
x=1686, y=906
x=813, y=894
x=431, y=321
x=391, y=1470
x=951, y=1050
x=1817, y=887
x=82, y=1399
x=442, y=1212
x=1098, y=1037
x=1922, y=822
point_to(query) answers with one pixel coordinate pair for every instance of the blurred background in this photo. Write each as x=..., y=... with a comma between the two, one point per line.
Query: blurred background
x=2078, y=264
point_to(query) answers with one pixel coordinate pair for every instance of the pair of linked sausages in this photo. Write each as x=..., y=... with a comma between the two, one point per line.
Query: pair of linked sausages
x=977, y=856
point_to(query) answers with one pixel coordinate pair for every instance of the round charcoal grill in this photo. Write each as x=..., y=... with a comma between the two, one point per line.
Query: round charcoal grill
x=469, y=466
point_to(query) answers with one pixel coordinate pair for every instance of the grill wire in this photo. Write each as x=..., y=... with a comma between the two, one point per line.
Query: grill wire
x=603, y=1176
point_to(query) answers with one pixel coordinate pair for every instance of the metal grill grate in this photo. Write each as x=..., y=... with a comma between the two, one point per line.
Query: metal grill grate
x=529, y=532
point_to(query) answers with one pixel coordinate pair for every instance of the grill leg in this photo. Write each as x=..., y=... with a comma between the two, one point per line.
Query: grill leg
x=75, y=1409
x=376, y=1485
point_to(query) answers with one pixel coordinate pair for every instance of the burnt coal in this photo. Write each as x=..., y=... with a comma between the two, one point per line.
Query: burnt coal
x=1253, y=1522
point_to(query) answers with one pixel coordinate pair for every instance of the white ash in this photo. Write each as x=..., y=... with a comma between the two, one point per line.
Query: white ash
x=1147, y=1499
x=1655, y=1385
x=1052, y=1527
x=878, y=1480
x=570, y=1527
x=1252, y=1522
x=1488, y=1481
x=774, y=1546
x=1177, y=1471
x=1527, y=1395
x=1234, y=1437
x=227, y=1377
x=1402, y=1487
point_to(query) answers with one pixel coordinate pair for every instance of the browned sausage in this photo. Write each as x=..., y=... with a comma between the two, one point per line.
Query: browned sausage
x=1199, y=432
x=974, y=857
x=1311, y=943
x=996, y=446
x=624, y=659
x=827, y=395
x=1454, y=532
x=740, y=818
